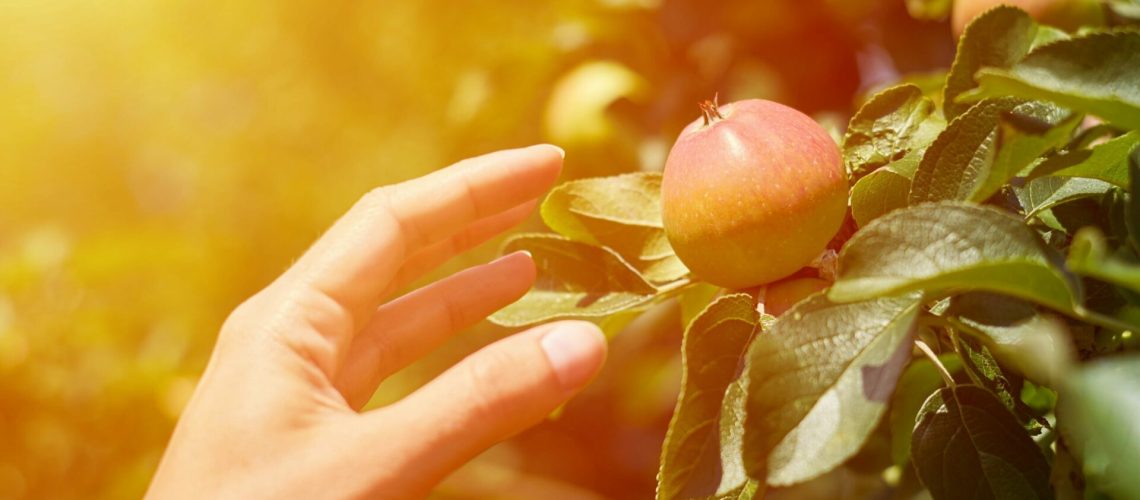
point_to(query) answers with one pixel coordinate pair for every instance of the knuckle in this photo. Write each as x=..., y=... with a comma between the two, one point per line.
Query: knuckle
x=484, y=375
x=456, y=316
x=243, y=318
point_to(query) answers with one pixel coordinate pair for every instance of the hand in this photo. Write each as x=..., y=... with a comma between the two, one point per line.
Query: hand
x=276, y=414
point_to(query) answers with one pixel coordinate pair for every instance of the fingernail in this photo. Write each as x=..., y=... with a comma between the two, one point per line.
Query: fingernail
x=561, y=152
x=575, y=350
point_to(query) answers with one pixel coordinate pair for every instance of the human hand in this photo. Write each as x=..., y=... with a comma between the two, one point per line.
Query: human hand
x=276, y=413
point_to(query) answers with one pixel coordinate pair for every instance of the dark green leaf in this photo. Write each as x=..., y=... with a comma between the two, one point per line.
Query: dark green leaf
x=983, y=369
x=1098, y=410
x=1107, y=162
x=968, y=445
x=621, y=212
x=888, y=126
x=1047, y=192
x=960, y=159
x=712, y=354
x=998, y=38
x=1089, y=256
x=878, y=193
x=1024, y=134
x=919, y=379
x=1097, y=73
x=575, y=280
x=947, y=247
x=819, y=382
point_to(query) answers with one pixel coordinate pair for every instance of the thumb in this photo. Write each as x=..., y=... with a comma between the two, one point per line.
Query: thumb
x=493, y=394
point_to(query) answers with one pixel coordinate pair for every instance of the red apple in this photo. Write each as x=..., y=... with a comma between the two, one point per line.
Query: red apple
x=752, y=192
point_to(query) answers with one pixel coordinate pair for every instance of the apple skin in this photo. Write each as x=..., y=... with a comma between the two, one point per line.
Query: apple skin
x=782, y=295
x=1065, y=14
x=753, y=195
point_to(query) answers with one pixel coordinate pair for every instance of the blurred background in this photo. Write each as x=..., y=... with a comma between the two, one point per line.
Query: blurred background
x=161, y=161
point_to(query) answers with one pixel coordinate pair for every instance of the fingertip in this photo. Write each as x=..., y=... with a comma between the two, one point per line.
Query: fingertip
x=558, y=149
x=575, y=351
x=552, y=156
x=522, y=265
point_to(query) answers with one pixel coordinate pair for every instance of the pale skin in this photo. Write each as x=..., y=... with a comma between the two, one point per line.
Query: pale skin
x=277, y=413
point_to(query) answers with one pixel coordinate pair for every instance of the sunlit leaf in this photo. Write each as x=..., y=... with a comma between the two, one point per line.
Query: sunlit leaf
x=1024, y=134
x=999, y=38
x=878, y=193
x=1097, y=73
x=951, y=246
x=712, y=355
x=962, y=157
x=575, y=280
x=1107, y=162
x=621, y=212
x=819, y=383
x=887, y=127
x=968, y=445
x=1047, y=192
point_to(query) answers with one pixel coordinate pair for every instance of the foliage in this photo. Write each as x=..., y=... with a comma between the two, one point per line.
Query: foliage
x=995, y=259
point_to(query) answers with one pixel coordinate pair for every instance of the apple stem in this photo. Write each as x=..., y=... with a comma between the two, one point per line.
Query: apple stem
x=711, y=110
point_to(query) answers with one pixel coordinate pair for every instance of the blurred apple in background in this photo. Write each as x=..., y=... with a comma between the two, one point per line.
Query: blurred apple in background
x=1064, y=14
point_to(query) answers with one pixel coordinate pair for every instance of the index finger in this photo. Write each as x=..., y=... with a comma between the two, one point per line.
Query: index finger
x=354, y=261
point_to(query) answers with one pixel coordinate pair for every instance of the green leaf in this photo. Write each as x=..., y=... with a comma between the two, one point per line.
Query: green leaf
x=987, y=146
x=983, y=370
x=1036, y=345
x=877, y=194
x=1089, y=256
x=1107, y=162
x=949, y=246
x=621, y=212
x=1097, y=410
x=1097, y=73
x=919, y=379
x=819, y=382
x=999, y=38
x=887, y=127
x=712, y=354
x=731, y=450
x=575, y=280
x=1024, y=134
x=1047, y=192
x=968, y=445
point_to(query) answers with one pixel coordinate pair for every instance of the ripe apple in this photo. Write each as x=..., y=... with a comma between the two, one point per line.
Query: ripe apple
x=782, y=295
x=752, y=192
x=1065, y=14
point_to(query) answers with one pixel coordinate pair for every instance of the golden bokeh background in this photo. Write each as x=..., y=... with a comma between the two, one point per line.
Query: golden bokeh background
x=160, y=161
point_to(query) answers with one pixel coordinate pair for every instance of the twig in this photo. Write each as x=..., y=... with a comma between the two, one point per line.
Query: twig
x=937, y=362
